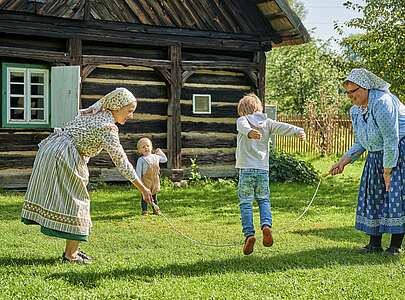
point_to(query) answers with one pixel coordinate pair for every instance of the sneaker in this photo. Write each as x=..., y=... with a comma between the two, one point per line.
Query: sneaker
x=79, y=260
x=267, y=236
x=393, y=251
x=144, y=213
x=249, y=245
x=371, y=249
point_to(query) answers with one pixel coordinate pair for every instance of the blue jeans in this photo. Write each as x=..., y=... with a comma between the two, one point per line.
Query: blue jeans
x=254, y=184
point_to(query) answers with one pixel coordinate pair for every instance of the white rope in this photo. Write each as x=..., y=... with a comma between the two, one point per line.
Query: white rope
x=285, y=228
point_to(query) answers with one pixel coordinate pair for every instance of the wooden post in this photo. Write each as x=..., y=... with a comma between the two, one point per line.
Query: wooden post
x=174, y=111
x=75, y=51
x=260, y=59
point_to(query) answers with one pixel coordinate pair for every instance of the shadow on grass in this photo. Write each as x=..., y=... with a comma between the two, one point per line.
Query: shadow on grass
x=311, y=259
x=339, y=234
x=20, y=262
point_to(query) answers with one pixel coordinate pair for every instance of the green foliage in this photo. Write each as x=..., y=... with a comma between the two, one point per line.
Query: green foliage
x=303, y=73
x=380, y=48
x=195, y=175
x=286, y=168
x=298, y=7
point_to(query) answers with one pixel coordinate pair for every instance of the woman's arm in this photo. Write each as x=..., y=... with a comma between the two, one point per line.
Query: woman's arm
x=111, y=143
x=386, y=116
x=340, y=165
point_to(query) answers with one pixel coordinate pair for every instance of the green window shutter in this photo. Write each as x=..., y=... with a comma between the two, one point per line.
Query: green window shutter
x=65, y=94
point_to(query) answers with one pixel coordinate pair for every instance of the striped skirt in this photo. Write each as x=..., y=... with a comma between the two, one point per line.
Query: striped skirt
x=379, y=211
x=57, y=197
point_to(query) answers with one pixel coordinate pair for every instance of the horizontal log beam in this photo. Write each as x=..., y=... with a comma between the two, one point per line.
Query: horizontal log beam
x=103, y=59
x=49, y=56
x=195, y=65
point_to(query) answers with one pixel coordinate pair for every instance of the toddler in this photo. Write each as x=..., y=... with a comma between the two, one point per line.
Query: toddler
x=147, y=168
x=252, y=161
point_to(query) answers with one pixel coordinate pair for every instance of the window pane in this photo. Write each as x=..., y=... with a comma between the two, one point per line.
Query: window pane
x=201, y=104
x=17, y=89
x=17, y=114
x=17, y=102
x=37, y=115
x=37, y=102
x=17, y=76
x=37, y=78
x=37, y=90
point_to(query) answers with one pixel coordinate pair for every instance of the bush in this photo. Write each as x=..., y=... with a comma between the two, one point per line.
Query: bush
x=286, y=168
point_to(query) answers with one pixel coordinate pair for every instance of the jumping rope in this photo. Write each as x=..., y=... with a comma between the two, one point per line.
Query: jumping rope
x=285, y=228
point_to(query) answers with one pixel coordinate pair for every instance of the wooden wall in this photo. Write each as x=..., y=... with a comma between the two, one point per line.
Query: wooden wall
x=151, y=113
x=211, y=139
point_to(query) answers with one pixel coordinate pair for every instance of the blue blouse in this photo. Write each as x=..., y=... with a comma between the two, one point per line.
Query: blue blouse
x=380, y=127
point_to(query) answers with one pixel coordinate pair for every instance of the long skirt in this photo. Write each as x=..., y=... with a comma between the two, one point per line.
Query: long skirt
x=379, y=211
x=57, y=197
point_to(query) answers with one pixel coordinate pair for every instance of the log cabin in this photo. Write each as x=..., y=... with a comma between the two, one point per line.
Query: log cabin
x=188, y=62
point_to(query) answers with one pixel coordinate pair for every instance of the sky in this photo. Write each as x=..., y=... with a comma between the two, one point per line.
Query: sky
x=321, y=15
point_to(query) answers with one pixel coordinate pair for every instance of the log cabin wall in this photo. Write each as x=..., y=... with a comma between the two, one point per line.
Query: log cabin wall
x=211, y=138
x=145, y=83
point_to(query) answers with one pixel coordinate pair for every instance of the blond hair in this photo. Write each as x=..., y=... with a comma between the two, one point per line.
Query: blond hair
x=142, y=141
x=249, y=104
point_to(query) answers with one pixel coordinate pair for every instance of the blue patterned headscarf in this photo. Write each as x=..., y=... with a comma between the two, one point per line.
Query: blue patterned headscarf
x=367, y=80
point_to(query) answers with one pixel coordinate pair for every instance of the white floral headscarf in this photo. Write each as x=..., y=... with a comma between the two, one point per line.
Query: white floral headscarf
x=114, y=100
x=367, y=80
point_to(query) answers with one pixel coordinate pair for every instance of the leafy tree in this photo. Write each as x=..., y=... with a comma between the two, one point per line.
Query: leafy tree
x=303, y=73
x=298, y=7
x=381, y=47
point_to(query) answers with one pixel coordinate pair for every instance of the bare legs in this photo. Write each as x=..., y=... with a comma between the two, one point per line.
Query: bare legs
x=71, y=249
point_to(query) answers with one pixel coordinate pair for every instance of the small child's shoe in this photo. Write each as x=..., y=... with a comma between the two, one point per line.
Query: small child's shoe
x=267, y=236
x=249, y=245
x=144, y=213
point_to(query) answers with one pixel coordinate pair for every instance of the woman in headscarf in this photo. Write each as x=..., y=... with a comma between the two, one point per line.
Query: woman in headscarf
x=378, y=119
x=57, y=197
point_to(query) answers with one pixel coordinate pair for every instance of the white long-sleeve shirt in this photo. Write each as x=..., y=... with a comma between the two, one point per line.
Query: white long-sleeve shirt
x=254, y=154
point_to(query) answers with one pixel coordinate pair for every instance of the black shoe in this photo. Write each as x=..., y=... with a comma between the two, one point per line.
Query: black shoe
x=79, y=260
x=393, y=251
x=371, y=249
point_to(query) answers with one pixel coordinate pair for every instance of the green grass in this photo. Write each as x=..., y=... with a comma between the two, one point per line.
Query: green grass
x=141, y=257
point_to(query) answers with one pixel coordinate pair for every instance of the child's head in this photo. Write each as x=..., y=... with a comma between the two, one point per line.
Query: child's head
x=144, y=146
x=249, y=104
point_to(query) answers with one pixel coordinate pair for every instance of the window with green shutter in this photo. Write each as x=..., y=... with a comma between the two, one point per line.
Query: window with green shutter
x=25, y=96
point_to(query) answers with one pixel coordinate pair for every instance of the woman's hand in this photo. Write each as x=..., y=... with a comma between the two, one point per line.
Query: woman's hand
x=254, y=134
x=147, y=196
x=146, y=193
x=340, y=165
x=387, y=178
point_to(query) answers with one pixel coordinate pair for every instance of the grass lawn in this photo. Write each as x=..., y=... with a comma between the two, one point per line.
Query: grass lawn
x=142, y=258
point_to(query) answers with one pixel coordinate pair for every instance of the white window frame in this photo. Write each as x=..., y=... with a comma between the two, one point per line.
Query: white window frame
x=209, y=104
x=27, y=96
